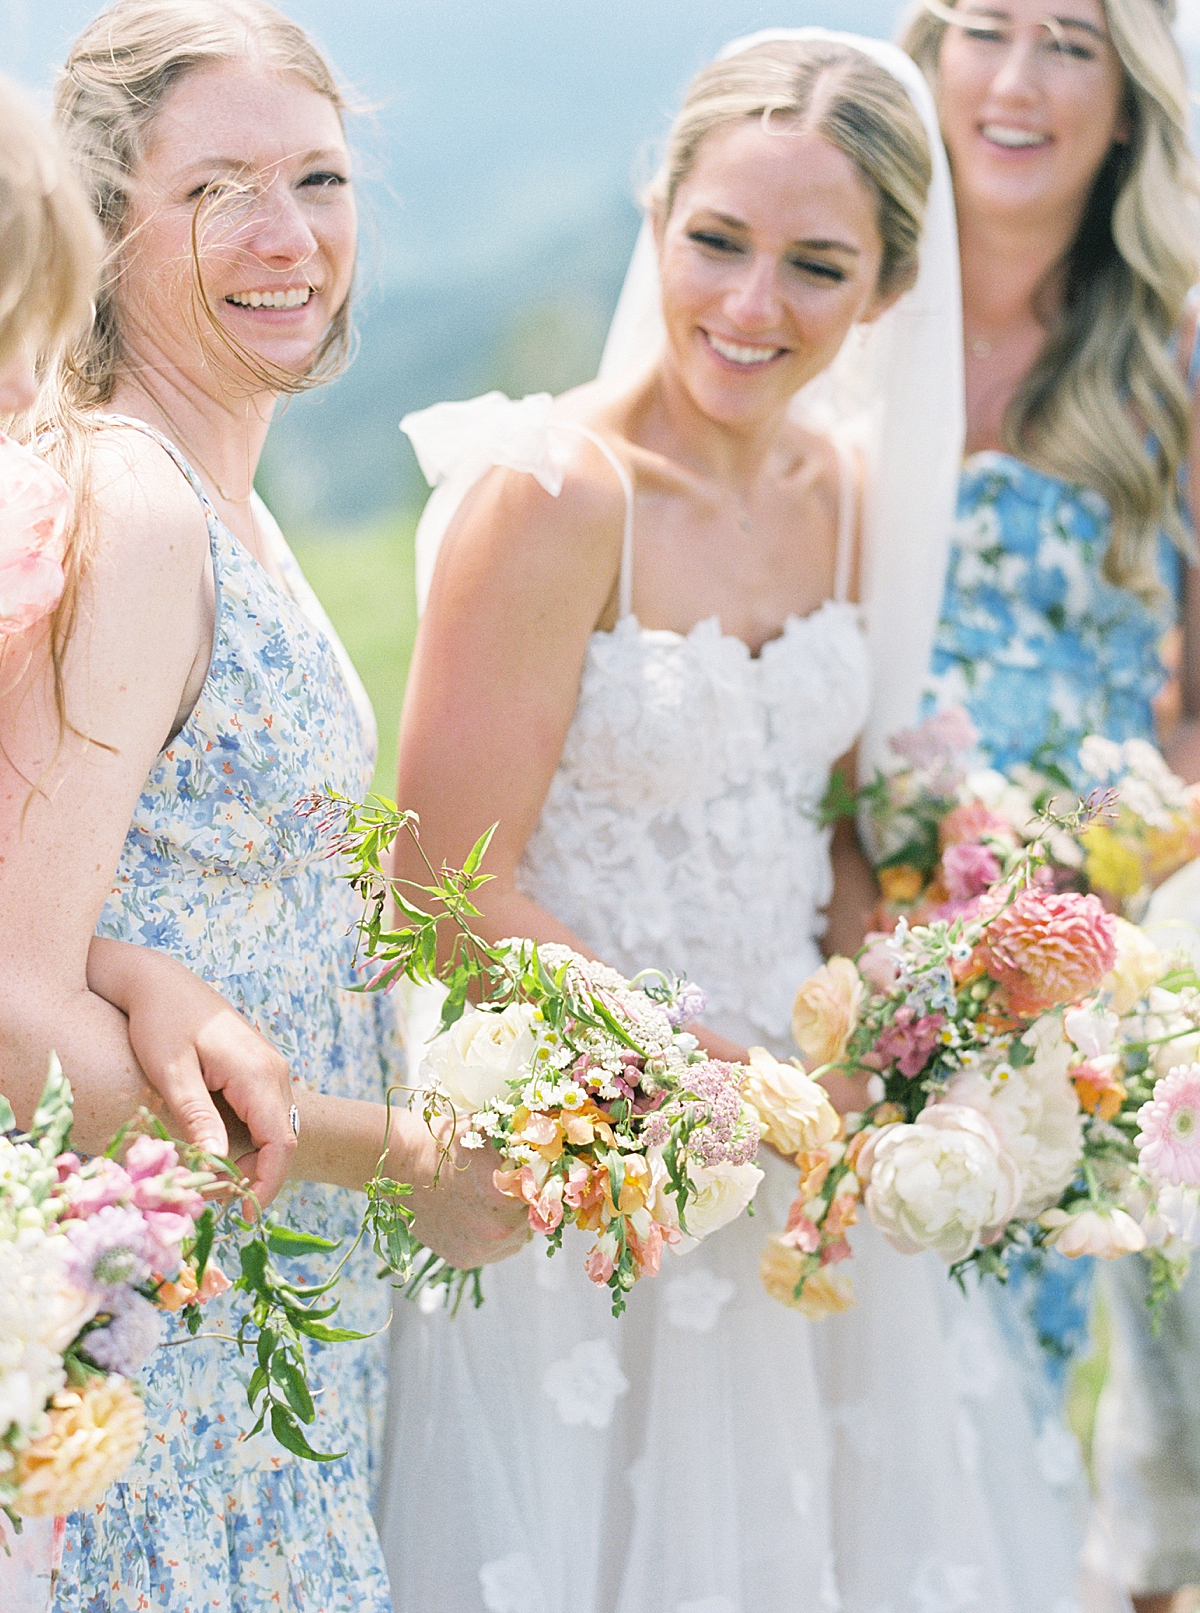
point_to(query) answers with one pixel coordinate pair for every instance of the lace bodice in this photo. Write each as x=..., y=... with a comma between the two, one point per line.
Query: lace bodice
x=680, y=828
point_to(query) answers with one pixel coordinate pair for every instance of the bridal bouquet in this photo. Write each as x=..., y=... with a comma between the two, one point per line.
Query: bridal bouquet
x=1019, y=1067
x=92, y=1254
x=939, y=832
x=608, y=1114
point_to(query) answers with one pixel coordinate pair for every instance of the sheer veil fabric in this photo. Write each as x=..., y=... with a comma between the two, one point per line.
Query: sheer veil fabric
x=713, y=1451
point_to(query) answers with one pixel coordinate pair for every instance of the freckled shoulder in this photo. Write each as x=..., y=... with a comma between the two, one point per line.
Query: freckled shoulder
x=142, y=508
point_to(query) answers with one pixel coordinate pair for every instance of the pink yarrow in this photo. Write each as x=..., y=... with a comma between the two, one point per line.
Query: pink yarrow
x=968, y=870
x=1169, y=1139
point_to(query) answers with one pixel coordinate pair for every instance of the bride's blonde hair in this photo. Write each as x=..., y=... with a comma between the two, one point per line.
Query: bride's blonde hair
x=823, y=88
x=1106, y=405
x=110, y=91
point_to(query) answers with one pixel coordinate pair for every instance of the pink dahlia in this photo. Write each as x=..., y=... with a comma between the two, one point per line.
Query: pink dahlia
x=1169, y=1139
x=1049, y=947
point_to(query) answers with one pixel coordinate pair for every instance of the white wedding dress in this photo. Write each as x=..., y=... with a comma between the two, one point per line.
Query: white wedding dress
x=711, y=1451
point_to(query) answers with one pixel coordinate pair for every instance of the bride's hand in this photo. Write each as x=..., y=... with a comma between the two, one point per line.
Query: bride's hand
x=460, y=1214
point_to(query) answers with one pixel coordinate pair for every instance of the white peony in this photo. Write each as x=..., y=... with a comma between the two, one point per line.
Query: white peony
x=1035, y=1113
x=473, y=1062
x=794, y=1111
x=719, y=1195
x=944, y=1183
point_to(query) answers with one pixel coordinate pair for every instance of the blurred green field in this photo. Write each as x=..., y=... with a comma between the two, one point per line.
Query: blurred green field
x=364, y=578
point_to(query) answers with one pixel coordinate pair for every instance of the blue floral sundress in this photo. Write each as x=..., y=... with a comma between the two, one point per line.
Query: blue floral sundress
x=1042, y=650
x=220, y=870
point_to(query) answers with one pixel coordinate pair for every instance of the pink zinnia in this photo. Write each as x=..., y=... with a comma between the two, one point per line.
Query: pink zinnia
x=1169, y=1139
x=1047, y=948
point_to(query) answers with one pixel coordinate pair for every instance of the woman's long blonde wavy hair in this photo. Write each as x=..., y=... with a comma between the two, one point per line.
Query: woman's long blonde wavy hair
x=110, y=91
x=1106, y=405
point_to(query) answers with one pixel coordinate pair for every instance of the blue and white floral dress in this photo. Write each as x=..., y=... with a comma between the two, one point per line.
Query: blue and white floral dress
x=222, y=871
x=1042, y=650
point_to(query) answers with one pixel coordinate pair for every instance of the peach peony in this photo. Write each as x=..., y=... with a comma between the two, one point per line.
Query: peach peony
x=1047, y=948
x=826, y=1011
x=825, y=1292
x=94, y=1434
x=35, y=505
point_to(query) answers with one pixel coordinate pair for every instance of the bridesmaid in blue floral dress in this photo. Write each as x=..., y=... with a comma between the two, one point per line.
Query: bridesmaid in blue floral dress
x=1067, y=137
x=155, y=748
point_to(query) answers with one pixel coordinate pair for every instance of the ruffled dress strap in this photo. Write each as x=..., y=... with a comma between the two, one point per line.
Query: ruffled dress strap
x=458, y=443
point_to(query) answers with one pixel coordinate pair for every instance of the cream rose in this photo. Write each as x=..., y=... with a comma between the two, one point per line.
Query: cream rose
x=719, y=1195
x=1139, y=964
x=826, y=1011
x=473, y=1062
x=943, y=1183
x=794, y=1112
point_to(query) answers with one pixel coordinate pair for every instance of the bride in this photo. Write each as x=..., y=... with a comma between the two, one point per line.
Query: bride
x=642, y=655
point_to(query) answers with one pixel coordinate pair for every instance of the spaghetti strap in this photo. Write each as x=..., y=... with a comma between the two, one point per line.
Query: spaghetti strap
x=169, y=448
x=847, y=513
x=626, y=583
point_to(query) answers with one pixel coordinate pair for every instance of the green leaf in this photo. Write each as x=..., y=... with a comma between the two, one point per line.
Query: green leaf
x=52, y=1119
x=267, y=1340
x=323, y=1334
x=283, y=1426
x=206, y=1228
x=8, y=1120
x=254, y=1265
x=476, y=854
x=287, y=1241
x=291, y=1380
x=258, y=1382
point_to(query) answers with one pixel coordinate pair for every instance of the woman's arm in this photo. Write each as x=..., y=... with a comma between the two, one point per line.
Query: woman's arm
x=67, y=795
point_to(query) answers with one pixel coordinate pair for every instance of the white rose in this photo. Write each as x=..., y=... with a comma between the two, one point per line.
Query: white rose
x=943, y=1183
x=794, y=1111
x=473, y=1062
x=719, y=1195
x=1035, y=1113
